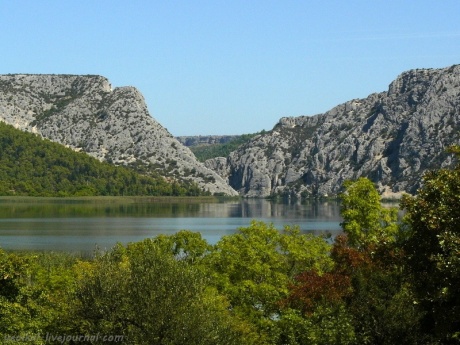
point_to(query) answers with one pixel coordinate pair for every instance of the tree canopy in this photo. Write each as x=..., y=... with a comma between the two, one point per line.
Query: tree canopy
x=365, y=221
x=30, y=165
x=433, y=249
x=383, y=281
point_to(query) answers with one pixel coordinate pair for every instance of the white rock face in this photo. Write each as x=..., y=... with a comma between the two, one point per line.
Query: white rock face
x=392, y=137
x=84, y=113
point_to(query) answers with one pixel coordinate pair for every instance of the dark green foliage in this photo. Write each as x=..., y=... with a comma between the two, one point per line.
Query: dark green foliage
x=33, y=166
x=379, y=299
x=433, y=250
x=381, y=303
x=204, y=152
x=382, y=282
x=35, y=295
x=365, y=297
x=143, y=293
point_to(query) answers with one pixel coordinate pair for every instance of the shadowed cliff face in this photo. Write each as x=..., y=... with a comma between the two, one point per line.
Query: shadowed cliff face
x=391, y=137
x=84, y=113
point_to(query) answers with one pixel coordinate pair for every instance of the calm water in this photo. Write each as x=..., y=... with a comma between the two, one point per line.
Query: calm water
x=73, y=225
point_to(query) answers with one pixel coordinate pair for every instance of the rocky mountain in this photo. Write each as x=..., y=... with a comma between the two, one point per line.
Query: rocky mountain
x=86, y=114
x=392, y=137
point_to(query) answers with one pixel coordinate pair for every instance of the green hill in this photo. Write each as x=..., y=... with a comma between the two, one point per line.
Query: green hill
x=205, y=152
x=30, y=165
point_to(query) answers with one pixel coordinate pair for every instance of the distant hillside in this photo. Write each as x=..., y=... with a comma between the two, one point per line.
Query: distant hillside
x=30, y=165
x=113, y=125
x=212, y=146
x=391, y=137
x=198, y=140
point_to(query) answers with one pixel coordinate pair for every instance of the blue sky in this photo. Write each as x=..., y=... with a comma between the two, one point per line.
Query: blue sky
x=232, y=67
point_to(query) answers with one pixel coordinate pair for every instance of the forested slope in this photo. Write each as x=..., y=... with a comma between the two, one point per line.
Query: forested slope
x=30, y=165
x=113, y=125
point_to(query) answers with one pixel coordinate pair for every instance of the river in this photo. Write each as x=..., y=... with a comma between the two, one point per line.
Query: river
x=83, y=225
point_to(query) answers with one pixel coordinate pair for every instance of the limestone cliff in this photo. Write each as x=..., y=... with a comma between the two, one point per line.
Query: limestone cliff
x=392, y=137
x=84, y=113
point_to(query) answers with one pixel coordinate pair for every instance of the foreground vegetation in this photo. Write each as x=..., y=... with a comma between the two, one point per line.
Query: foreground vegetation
x=383, y=282
x=30, y=165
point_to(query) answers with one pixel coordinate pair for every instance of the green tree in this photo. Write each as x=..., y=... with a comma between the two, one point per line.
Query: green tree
x=148, y=296
x=35, y=291
x=381, y=302
x=378, y=299
x=254, y=266
x=433, y=250
x=315, y=311
x=365, y=220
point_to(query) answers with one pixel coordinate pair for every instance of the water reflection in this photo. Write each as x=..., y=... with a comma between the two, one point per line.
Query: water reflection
x=80, y=225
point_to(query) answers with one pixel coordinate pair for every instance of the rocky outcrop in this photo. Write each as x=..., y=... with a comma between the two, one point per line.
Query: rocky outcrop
x=391, y=137
x=86, y=114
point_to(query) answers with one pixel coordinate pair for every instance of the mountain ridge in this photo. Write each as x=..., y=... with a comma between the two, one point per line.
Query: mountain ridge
x=391, y=137
x=114, y=125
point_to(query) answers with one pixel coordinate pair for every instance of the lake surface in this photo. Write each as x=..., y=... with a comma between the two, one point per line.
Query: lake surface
x=84, y=225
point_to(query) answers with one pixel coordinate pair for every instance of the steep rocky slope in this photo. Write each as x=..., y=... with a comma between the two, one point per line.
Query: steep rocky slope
x=391, y=137
x=84, y=113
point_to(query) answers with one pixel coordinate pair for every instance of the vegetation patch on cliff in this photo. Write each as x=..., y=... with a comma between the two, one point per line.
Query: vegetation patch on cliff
x=205, y=152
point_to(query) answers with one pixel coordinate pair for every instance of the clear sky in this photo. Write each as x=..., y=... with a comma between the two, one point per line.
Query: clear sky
x=232, y=67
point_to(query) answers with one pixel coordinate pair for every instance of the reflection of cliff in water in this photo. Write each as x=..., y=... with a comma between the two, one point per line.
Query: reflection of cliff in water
x=260, y=208
x=79, y=225
x=244, y=208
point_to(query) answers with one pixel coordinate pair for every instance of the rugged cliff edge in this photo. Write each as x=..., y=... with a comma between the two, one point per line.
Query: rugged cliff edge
x=84, y=113
x=391, y=137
